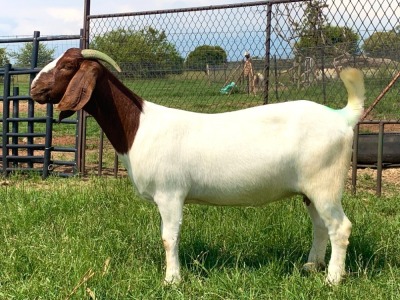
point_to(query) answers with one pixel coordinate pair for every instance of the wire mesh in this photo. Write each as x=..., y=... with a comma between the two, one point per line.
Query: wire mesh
x=173, y=57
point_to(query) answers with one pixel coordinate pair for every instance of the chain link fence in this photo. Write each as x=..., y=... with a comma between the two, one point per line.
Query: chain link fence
x=228, y=57
x=297, y=48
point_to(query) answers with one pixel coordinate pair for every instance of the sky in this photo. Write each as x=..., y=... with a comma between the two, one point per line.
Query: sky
x=63, y=17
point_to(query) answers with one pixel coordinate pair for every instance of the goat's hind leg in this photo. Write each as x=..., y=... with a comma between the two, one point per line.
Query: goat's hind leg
x=338, y=228
x=316, y=258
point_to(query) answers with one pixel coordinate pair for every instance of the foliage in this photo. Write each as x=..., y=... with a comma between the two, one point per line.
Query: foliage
x=146, y=53
x=317, y=35
x=3, y=57
x=333, y=40
x=23, y=57
x=203, y=55
x=383, y=44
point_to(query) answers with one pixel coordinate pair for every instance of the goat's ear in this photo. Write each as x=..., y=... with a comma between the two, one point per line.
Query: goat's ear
x=80, y=87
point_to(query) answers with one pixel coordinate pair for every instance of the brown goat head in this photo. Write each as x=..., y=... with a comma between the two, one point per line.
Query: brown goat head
x=51, y=83
x=69, y=80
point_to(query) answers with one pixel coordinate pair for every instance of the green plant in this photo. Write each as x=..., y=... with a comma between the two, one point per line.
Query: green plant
x=54, y=232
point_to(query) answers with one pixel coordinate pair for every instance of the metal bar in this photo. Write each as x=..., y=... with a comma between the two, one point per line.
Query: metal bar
x=17, y=97
x=354, y=160
x=34, y=119
x=25, y=134
x=86, y=25
x=44, y=38
x=22, y=146
x=80, y=129
x=380, y=160
x=31, y=108
x=15, y=125
x=6, y=113
x=64, y=163
x=101, y=148
x=267, y=53
x=23, y=170
x=115, y=165
x=84, y=132
x=78, y=141
x=28, y=158
x=48, y=140
x=276, y=78
x=63, y=149
x=191, y=9
x=21, y=71
x=380, y=96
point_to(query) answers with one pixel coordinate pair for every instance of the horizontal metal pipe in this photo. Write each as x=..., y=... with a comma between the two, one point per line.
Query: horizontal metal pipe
x=41, y=38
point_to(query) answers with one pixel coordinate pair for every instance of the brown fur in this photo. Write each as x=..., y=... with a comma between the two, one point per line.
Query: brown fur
x=77, y=84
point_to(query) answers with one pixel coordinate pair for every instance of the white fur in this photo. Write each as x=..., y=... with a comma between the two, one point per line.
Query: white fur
x=46, y=69
x=249, y=157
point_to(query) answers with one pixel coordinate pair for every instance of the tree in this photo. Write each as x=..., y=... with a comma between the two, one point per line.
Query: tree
x=145, y=53
x=203, y=55
x=383, y=44
x=3, y=57
x=24, y=56
x=333, y=40
x=318, y=37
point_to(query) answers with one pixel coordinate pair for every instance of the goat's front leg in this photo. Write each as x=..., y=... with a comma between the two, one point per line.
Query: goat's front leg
x=170, y=208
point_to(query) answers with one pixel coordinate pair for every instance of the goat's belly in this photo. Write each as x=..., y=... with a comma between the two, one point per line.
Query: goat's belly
x=237, y=197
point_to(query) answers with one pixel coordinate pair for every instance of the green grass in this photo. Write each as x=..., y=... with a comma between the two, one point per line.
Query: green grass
x=55, y=231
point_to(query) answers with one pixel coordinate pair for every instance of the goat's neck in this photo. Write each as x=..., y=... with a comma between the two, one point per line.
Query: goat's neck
x=117, y=110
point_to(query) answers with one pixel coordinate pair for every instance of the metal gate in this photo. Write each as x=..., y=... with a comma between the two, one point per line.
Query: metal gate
x=27, y=142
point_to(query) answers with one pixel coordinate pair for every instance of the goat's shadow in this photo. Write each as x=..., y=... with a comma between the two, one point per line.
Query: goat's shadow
x=200, y=258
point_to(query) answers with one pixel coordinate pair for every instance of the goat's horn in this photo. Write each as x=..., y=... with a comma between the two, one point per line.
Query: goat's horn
x=91, y=53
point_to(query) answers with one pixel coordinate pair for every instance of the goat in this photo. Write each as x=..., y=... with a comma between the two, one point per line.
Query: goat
x=258, y=81
x=248, y=157
x=330, y=73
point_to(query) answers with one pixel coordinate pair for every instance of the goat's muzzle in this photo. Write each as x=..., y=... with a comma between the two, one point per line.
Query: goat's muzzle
x=41, y=95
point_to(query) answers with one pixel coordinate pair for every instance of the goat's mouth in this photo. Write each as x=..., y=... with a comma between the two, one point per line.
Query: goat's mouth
x=42, y=96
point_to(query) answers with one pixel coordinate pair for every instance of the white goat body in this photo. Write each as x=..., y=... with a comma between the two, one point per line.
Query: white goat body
x=248, y=157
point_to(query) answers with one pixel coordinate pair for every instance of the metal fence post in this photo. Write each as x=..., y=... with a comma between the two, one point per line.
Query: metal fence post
x=48, y=140
x=6, y=114
x=354, y=160
x=15, y=125
x=31, y=108
x=267, y=52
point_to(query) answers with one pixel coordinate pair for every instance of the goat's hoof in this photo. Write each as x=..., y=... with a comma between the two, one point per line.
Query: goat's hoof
x=172, y=281
x=312, y=267
x=334, y=279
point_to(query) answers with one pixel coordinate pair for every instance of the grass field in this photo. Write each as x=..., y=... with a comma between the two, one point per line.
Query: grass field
x=93, y=239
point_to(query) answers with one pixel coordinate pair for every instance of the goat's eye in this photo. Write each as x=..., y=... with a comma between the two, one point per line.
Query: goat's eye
x=68, y=67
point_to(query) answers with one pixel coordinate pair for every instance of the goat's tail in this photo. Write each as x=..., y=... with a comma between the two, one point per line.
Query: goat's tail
x=353, y=80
